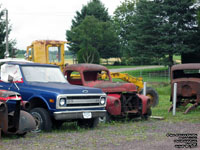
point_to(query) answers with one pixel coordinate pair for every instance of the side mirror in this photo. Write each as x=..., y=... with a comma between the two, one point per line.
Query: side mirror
x=10, y=78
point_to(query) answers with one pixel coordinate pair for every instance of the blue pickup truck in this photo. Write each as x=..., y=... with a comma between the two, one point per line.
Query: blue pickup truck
x=52, y=99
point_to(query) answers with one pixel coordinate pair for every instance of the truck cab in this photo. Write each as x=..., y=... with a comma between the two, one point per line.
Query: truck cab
x=47, y=52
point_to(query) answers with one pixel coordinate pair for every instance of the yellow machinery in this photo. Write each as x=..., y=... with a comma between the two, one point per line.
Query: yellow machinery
x=52, y=52
x=126, y=77
x=47, y=52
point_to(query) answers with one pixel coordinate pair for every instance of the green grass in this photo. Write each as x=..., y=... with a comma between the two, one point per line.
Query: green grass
x=116, y=67
x=164, y=104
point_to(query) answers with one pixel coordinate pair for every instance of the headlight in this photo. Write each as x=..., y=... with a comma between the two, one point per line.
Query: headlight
x=62, y=102
x=103, y=100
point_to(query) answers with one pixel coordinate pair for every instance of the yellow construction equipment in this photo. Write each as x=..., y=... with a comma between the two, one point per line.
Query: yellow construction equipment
x=47, y=52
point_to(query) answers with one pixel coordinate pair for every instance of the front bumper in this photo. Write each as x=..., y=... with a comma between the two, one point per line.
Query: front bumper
x=65, y=115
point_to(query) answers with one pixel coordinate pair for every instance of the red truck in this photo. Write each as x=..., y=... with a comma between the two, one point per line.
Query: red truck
x=122, y=98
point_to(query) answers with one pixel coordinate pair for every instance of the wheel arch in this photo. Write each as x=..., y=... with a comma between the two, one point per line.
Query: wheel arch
x=38, y=102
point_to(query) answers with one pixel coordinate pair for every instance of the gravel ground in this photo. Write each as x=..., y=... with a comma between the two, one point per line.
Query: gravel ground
x=136, y=135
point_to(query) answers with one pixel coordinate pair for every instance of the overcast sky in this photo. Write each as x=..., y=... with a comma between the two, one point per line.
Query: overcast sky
x=44, y=19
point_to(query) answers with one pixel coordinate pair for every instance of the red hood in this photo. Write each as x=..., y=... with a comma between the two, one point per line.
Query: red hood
x=108, y=87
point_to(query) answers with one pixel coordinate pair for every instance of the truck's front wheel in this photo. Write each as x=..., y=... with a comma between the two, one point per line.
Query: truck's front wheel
x=42, y=119
x=88, y=123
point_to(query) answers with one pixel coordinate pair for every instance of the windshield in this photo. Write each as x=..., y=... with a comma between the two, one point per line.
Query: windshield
x=43, y=74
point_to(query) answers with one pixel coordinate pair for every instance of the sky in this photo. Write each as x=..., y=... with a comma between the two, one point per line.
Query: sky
x=44, y=19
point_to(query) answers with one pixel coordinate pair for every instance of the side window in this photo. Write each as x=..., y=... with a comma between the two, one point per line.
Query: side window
x=74, y=77
x=54, y=54
x=11, y=70
x=103, y=75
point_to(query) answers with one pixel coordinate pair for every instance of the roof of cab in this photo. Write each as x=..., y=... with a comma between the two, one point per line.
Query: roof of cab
x=23, y=62
x=84, y=67
x=186, y=66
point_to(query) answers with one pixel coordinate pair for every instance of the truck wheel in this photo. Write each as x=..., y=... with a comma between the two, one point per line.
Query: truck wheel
x=42, y=119
x=153, y=96
x=88, y=123
x=105, y=119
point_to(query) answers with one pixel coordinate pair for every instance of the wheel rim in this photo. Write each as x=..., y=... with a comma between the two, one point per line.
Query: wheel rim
x=102, y=119
x=38, y=121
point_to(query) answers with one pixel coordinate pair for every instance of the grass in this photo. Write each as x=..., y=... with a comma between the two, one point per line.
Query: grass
x=164, y=104
x=116, y=67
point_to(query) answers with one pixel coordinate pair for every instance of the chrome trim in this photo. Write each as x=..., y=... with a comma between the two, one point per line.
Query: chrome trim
x=64, y=115
x=66, y=112
x=80, y=101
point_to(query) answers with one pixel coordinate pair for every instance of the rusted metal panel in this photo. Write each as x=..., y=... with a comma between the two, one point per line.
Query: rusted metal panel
x=85, y=67
x=19, y=121
x=122, y=97
x=186, y=66
x=3, y=116
x=188, y=84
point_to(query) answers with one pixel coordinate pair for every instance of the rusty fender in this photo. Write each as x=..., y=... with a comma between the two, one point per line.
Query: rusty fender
x=3, y=117
x=145, y=103
x=113, y=104
x=26, y=122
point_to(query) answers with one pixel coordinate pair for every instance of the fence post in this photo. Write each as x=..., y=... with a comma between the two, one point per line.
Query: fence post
x=145, y=88
x=174, y=98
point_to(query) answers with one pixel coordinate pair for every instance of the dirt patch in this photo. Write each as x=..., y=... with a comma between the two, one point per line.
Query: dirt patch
x=137, y=135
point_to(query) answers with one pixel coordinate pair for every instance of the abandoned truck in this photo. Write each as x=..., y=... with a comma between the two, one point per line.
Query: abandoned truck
x=52, y=99
x=122, y=98
x=13, y=120
x=187, y=77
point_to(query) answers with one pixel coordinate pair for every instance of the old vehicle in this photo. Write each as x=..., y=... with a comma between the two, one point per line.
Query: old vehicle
x=52, y=52
x=52, y=99
x=47, y=52
x=187, y=77
x=14, y=120
x=122, y=98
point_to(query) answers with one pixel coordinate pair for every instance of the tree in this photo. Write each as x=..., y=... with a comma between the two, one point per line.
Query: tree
x=93, y=8
x=123, y=24
x=99, y=36
x=2, y=33
x=96, y=39
x=11, y=43
x=160, y=28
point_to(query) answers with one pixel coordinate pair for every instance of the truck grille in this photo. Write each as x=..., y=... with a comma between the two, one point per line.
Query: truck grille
x=80, y=101
x=73, y=101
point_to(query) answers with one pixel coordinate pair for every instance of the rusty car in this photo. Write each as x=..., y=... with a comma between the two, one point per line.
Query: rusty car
x=187, y=77
x=123, y=99
x=14, y=120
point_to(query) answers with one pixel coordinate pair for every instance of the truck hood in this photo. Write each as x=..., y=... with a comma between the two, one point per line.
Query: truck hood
x=108, y=87
x=64, y=88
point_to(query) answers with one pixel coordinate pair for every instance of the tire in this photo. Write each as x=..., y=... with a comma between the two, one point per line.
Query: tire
x=153, y=96
x=105, y=119
x=42, y=119
x=88, y=123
